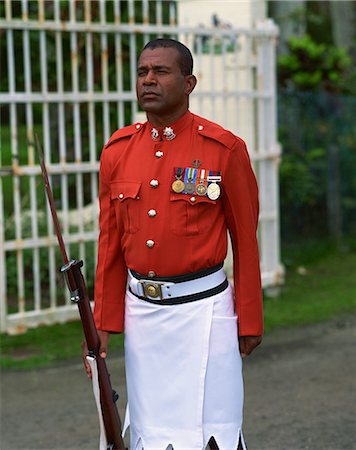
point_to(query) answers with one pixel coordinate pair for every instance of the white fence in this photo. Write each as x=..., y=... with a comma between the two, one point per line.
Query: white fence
x=68, y=74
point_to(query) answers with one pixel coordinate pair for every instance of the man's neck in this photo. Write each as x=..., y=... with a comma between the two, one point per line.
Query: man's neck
x=163, y=121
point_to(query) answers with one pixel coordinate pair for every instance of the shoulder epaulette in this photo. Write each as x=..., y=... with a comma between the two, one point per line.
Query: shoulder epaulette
x=214, y=131
x=124, y=132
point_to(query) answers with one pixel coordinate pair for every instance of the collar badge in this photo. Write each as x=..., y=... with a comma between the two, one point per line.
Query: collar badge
x=169, y=133
x=154, y=134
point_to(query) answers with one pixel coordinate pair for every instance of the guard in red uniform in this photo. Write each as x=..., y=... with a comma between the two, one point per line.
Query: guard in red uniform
x=170, y=190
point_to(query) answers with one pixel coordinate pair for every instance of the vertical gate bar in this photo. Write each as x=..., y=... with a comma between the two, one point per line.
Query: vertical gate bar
x=172, y=15
x=61, y=120
x=146, y=20
x=104, y=72
x=119, y=64
x=15, y=163
x=77, y=135
x=46, y=129
x=3, y=288
x=31, y=160
x=249, y=78
x=261, y=145
x=199, y=68
x=237, y=121
x=212, y=75
x=91, y=122
x=269, y=166
x=225, y=88
x=159, y=13
x=133, y=53
x=3, y=275
x=61, y=128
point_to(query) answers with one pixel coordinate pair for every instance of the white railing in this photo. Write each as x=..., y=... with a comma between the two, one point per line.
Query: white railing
x=68, y=74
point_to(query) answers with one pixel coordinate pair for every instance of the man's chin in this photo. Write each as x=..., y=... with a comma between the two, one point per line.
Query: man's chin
x=151, y=107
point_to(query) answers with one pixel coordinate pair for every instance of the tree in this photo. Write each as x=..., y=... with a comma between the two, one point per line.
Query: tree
x=343, y=17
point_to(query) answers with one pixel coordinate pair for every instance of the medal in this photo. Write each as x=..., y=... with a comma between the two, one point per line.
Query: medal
x=213, y=191
x=201, y=187
x=178, y=184
x=189, y=182
x=189, y=187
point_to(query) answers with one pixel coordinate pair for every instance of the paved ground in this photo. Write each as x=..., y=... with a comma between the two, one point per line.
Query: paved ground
x=300, y=394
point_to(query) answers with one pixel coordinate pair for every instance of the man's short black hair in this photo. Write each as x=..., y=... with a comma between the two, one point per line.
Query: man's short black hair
x=185, y=57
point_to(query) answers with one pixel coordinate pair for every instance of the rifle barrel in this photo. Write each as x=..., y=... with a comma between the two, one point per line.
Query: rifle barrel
x=51, y=201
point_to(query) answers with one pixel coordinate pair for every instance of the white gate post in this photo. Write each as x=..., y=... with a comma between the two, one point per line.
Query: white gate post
x=3, y=303
x=269, y=152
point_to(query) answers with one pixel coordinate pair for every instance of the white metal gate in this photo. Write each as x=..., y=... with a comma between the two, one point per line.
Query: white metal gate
x=68, y=74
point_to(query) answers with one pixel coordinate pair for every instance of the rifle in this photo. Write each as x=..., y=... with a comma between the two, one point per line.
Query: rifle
x=78, y=294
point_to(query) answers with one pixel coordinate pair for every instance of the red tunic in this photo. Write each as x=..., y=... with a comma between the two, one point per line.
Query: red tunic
x=149, y=228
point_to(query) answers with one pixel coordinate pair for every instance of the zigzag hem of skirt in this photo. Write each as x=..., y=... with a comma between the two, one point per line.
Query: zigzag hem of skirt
x=180, y=444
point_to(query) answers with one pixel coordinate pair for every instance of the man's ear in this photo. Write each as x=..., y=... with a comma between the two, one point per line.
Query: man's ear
x=190, y=83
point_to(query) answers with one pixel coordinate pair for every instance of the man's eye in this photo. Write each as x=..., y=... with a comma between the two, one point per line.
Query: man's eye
x=161, y=71
x=141, y=73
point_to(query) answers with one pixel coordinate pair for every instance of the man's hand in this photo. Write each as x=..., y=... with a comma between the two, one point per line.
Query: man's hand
x=248, y=344
x=104, y=337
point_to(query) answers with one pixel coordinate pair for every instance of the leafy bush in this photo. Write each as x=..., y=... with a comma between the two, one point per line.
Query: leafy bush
x=313, y=66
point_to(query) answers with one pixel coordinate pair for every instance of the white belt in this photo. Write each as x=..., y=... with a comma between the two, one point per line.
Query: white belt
x=165, y=290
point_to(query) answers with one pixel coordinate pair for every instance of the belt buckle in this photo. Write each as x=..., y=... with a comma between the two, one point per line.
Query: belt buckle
x=151, y=289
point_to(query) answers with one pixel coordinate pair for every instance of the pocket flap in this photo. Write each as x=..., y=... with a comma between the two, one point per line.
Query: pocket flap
x=122, y=190
x=191, y=199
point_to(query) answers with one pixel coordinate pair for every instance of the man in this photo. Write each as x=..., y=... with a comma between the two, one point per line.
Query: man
x=170, y=188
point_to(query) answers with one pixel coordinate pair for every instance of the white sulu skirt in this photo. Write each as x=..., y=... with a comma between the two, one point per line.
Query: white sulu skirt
x=184, y=374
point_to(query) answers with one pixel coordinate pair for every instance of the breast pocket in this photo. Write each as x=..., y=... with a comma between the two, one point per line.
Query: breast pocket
x=188, y=214
x=126, y=198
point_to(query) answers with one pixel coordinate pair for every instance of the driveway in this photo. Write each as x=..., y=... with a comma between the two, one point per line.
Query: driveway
x=300, y=394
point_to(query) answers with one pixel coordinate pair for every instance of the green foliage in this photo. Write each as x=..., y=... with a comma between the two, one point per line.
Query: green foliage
x=313, y=66
x=309, y=124
x=303, y=177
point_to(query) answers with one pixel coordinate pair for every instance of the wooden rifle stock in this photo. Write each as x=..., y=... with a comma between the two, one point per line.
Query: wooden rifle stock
x=78, y=292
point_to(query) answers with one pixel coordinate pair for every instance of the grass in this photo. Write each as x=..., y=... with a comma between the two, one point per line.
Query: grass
x=43, y=346
x=320, y=284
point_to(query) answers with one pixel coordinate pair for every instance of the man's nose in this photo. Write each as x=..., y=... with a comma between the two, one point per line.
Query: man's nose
x=150, y=78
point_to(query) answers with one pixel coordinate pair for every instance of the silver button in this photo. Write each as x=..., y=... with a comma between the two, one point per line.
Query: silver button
x=193, y=199
x=151, y=274
x=121, y=195
x=150, y=243
x=159, y=154
x=152, y=212
x=138, y=126
x=200, y=127
x=154, y=183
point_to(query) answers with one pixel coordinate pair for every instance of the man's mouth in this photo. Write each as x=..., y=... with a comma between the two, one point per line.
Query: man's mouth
x=149, y=94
